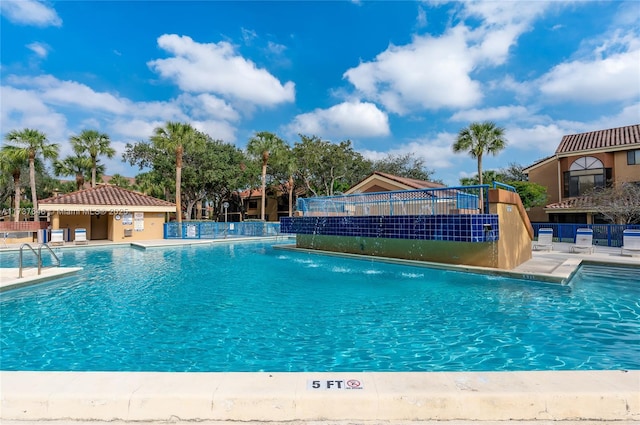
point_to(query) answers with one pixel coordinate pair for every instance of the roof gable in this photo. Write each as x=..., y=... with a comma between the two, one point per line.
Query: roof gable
x=379, y=180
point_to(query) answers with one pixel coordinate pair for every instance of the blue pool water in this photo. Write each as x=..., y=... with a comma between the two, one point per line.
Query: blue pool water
x=249, y=307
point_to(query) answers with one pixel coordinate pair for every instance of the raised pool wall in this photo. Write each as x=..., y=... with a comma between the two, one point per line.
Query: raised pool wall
x=500, y=239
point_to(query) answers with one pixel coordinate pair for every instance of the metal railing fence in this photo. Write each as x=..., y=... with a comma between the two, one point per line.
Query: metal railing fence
x=218, y=230
x=603, y=234
x=449, y=200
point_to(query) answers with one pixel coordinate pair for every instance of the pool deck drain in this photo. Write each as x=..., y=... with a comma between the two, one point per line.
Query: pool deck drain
x=462, y=397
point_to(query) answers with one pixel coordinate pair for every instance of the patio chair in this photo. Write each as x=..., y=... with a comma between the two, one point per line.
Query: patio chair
x=57, y=237
x=81, y=237
x=545, y=240
x=630, y=242
x=584, y=241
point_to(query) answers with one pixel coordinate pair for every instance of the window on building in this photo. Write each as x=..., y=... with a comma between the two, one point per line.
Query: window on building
x=253, y=205
x=584, y=175
x=633, y=157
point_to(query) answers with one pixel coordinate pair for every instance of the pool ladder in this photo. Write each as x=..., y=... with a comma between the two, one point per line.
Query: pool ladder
x=38, y=256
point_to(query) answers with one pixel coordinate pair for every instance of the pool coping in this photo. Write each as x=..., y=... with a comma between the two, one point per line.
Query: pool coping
x=280, y=396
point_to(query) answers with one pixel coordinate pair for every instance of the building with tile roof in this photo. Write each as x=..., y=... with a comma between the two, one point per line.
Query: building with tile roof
x=581, y=163
x=108, y=212
x=383, y=182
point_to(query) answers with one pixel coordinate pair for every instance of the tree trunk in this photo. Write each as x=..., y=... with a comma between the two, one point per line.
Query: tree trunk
x=199, y=210
x=189, y=213
x=16, y=201
x=264, y=189
x=79, y=181
x=178, y=183
x=290, y=196
x=93, y=171
x=481, y=197
x=32, y=180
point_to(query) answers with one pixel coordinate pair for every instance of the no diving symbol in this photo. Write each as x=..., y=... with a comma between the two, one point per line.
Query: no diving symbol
x=354, y=384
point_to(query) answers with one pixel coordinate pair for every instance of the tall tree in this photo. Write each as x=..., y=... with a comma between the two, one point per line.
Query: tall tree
x=173, y=137
x=327, y=168
x=120, y=181
x=405, y=165
x=10, y=164
x=95, y=144
x=477, y=140
x=78, y=166
x=29, y=144
x=261, y=146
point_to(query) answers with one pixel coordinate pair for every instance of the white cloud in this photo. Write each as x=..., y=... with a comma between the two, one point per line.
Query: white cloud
x=219, y=130
x=434, y=72
x=614, y=78
x=345, y=120
x=25, y=109
x=60, y=92
x=429, y=73
x=498, y=114
x=544, y=139
x=40, y=49
x=421, y=20
x=135, y=128
x=208, y=106
x=436, y=151
x=217, y=68
x=30, y=12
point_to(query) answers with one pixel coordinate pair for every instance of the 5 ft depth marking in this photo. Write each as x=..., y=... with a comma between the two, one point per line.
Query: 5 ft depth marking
x=335, y=384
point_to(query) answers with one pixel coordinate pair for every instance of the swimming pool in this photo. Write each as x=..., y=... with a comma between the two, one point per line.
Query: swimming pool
x=249, y=307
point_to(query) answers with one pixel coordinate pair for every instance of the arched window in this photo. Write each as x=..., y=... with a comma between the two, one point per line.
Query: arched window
x=586, y=163
x=585, y=174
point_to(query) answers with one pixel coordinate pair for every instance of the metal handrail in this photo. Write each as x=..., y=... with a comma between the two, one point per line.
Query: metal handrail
x=44, y=245
x=38, y=256
x=20, y=259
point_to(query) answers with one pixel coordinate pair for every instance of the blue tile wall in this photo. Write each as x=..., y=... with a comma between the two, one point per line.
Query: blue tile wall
x=458, y=228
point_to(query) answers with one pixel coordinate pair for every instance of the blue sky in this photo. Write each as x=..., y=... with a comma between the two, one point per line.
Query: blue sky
x=393, y=77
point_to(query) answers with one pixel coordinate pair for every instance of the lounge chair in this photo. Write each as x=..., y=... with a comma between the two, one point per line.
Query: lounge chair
x=81, y=237
x=57, y=237
x=630, y=242
x=584, y=241
x=545, y=239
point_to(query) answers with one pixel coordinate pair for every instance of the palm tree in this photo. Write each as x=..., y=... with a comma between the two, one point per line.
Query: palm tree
x=28, y=144
x=10, y=164
x=74, y=165
x=95, y=144
x=148, y=184
x=261, y=146
x=478, y=139
x=173, y=137
x=120, y=181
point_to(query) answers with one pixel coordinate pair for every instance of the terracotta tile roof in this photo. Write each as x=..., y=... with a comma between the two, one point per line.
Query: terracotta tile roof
x=107, y=195
x=602, y=139
x=414, y=183
x=579, y=203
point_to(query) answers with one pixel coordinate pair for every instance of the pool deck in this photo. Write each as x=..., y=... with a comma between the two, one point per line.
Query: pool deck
x=542, y=397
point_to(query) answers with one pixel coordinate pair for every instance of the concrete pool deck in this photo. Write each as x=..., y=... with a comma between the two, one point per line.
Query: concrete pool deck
x=462, y=397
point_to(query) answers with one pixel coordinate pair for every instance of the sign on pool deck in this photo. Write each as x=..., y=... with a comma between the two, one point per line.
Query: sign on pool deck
x=335, y=384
